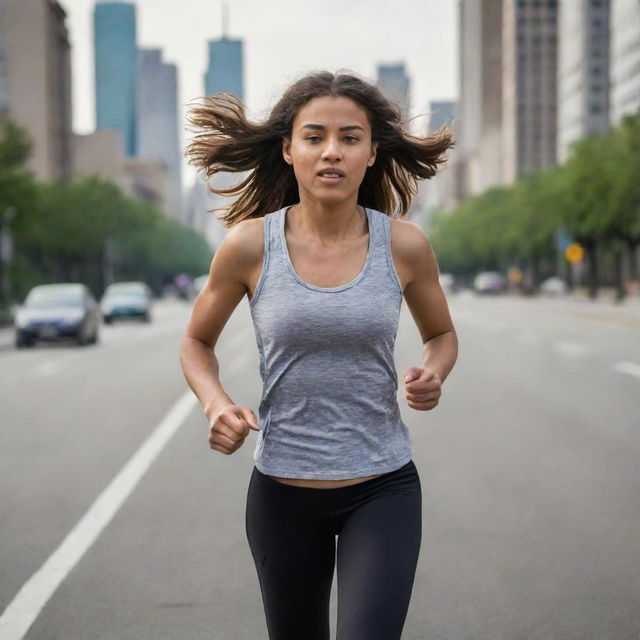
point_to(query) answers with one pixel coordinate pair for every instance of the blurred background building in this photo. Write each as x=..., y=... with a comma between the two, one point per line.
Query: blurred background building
x=478, y=153
x=224, y=74
x=225, y=70
x=534, y=78
x=37, y=81
x=136, y=97
x=394, y=83
x=624, y=59
x=433, y=194
x=529, y=87
x=116, y=68
x=158, y=136
x=583, y=72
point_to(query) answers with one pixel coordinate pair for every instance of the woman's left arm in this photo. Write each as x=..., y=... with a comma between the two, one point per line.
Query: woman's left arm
x=428, y=305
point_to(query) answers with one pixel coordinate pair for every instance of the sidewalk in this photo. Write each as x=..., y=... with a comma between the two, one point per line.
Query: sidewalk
x=604, y=307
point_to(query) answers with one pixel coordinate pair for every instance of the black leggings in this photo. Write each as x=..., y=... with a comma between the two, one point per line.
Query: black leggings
x=291, y=532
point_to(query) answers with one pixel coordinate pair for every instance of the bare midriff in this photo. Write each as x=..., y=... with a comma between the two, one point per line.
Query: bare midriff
x=322, y=484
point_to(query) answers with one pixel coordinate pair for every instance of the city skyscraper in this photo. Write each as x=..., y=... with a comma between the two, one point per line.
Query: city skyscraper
x=116, y=70
x=158, y=136
x=394, y=83
x=529, y=87
x=583, y=72
x=441, y=112
x=478, y=126
x=624, y=59
x=225, y=72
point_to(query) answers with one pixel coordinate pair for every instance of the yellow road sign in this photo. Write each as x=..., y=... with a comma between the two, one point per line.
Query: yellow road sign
x=574, y=253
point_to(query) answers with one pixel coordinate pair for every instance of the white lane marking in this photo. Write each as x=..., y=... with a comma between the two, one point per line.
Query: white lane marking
x=23, y=610
x=573, y=349
x=631, y=368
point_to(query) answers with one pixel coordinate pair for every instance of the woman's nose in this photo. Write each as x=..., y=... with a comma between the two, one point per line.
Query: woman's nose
x=331, y=152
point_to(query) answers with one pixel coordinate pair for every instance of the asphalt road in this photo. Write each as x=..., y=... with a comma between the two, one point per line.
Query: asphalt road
x=529, y=469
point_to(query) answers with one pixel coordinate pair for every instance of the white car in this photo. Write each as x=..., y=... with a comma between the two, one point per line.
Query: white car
x=554, y=286
x=490, y=282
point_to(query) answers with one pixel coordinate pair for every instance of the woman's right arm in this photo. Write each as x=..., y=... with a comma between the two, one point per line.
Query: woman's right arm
x=213, y=307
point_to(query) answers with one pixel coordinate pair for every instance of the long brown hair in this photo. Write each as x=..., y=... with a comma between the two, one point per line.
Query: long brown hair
x=225, y=140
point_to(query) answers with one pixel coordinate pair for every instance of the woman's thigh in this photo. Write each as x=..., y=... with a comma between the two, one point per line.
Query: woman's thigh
x=378, y=549
x=294, y=553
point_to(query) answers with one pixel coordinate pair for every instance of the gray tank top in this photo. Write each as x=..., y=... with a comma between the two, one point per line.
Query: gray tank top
x=329, y=408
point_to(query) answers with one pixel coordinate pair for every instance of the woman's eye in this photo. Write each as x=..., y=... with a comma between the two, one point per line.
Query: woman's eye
x=313, y=138
x=351, y=139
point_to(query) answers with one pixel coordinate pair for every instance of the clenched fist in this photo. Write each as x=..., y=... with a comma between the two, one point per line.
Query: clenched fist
x=423, y=388
x=229, y=428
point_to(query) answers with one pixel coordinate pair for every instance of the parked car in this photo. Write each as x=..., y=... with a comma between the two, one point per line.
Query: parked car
x=126, y=300
x=554, y=286
x=56, y=312
x=490, y=282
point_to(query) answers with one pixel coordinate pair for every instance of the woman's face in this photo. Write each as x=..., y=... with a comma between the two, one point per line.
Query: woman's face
x=330, y=148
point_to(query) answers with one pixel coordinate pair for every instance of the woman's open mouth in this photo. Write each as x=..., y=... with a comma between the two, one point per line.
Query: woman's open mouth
x=331, y=176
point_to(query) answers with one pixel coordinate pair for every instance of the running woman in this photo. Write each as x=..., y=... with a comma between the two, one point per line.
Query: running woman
x=317, y=242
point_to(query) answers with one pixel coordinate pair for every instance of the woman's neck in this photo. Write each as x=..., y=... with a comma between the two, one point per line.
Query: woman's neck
x=341, y=223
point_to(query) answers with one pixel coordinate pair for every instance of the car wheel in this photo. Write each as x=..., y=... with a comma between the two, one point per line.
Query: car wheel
x=108, y=320
x=146, y=317
x=81, y=338
x=21, y=343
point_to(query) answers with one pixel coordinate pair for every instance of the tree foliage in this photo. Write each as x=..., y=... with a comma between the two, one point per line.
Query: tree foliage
x=594, y=196
x=85, y=229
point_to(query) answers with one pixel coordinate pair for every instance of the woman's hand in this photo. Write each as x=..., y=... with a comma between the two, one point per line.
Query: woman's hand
x=229, y=428
x=423, y=388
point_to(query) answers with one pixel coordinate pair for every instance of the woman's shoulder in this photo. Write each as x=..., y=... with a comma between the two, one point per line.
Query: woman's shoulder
x=408, y=238
x=245, y=240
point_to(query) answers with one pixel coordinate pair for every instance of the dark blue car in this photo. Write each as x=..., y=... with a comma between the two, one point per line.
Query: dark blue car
x=58, y=312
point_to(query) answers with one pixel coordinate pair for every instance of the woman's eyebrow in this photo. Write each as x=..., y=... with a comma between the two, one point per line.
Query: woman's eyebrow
x=321, y=127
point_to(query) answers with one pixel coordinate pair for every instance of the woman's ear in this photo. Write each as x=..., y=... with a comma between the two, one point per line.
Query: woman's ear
x=374, y=153
x=286, y=150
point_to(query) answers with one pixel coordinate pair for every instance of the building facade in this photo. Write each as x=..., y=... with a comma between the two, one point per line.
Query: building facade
x=394, y=83
x=583, y=72
x=478, y=123
x=225, y=72
x=529, y=87
x=116, y=70
x=434, y=194
x=624, y=59
x=158, y=136
x=37, y=82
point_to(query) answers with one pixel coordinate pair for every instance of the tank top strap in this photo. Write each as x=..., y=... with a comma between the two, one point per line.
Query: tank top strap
x=382, y=263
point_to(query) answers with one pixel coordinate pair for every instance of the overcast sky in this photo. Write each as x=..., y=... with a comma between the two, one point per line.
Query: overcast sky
x=282, y=40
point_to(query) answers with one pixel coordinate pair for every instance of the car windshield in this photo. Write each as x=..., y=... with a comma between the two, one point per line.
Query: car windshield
x=44, y=299
x=125, y=289
x=132, y=296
